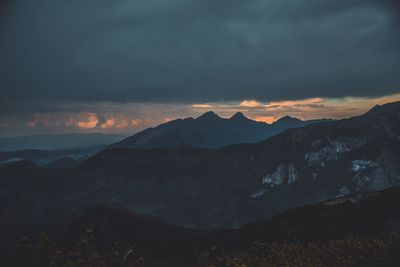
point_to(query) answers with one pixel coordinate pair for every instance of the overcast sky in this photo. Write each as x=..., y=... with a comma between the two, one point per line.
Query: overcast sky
x=144, y=61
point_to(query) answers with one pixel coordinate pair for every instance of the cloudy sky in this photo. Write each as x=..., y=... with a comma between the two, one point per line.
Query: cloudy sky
x=123, y=65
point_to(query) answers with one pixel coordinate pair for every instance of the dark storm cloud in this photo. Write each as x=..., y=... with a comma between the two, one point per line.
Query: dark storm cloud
x=194, y=51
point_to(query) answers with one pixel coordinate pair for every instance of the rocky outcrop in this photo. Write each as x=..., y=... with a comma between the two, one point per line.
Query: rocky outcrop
x=284, y=174
x=326, y=150
x=380, y=174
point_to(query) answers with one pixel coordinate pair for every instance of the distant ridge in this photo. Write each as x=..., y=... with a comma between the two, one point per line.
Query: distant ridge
x=209, y=131
x=239, y=116
x=57, y=141
x=288, y=119
x=210, y=115
x=384, y=108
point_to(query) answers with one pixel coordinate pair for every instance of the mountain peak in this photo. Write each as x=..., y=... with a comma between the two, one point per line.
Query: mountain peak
x=287, y=119
x=238, y=116
x=209, y=115
x=389, y=107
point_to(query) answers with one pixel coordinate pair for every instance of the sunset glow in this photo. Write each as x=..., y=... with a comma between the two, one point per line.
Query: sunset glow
x=250, y=103
x=132, y=117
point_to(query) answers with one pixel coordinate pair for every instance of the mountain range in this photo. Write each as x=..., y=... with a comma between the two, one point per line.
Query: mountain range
x=212, y=188
x=66, y=158
x=210, y=131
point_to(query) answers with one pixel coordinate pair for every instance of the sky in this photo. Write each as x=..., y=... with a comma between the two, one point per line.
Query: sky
x=125, y=65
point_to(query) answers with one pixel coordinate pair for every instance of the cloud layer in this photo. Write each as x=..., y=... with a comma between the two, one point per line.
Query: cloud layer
x=194, y=51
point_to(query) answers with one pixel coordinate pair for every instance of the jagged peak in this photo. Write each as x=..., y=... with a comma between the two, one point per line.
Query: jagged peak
x=287, y=118
x=209, y=115
x=238, y=116
x=393, y=106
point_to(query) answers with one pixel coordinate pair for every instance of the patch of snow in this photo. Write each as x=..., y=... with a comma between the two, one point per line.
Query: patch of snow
x=285, y=173
x=327, y=150
x=374, y=175
x=276, y=178
x=361, y=165
x=292, y=173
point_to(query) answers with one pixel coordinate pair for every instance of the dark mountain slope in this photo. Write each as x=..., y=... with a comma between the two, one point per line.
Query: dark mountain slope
x=366, y=216
x=145, y=235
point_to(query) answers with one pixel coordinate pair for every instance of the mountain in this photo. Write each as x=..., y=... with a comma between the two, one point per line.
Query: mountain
x=214, y=188
x=249, y=182
x=209, y=131
x=57, y=141
x=357, y=230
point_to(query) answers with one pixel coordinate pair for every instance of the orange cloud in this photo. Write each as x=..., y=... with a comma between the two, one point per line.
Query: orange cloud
x=118, y=122
x=136, y=122
x=108, y=123
x=90, y=122
x=266, y=119
x=388, y=99
x=303, y=102
x=250, y=104
x=122, y=124
x=205, y=105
